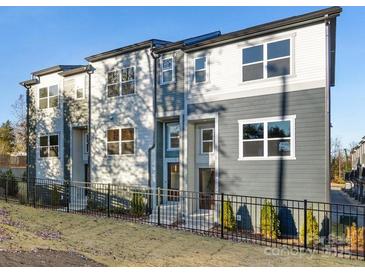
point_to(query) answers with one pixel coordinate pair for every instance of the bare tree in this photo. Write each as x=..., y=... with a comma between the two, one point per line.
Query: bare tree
x=20, y=126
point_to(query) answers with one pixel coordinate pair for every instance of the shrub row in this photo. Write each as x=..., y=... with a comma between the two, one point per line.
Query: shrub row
x=270, y=222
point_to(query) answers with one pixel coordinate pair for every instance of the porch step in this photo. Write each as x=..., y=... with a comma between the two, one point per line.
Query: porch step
x=169, y=214
x=200, y=220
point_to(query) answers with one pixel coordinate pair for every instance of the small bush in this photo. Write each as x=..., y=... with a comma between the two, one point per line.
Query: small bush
x=312, y=229
x=338, y=180
x=138, y=204
x=9, y=178
x=269, y=221
x=55, y=196
x=355, y=237
x=229, y=220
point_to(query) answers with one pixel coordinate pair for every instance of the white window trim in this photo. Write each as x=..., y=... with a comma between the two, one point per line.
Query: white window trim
x=162, y=82
x=205, y=69
x=120, y=82
x=86, y=144
x=48, y=97
x=48, y=146
x=83, y=93
x=168, y=126
x=120, y=141
x=265, y=121
x=134, y=81
x=265, y=59
x=206, y=141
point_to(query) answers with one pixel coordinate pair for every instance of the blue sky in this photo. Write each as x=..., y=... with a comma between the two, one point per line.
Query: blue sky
x=33, y=38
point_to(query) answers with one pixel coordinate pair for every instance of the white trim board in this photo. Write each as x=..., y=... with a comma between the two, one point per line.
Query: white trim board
x=266, y=120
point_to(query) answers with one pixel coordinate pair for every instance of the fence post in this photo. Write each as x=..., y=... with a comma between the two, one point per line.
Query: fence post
x=222, y=215
x=108, y=200
x=35, y=193
x=305, y=225
x=27, y=185
x=158, y=206
x=6, y=188
x=68, y=189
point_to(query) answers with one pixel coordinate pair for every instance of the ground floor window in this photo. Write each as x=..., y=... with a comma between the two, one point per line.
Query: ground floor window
x=267, y=138
x=120, y=141
x=48, y=146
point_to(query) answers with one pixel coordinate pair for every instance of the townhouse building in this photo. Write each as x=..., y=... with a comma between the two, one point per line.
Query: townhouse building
x=242, y=112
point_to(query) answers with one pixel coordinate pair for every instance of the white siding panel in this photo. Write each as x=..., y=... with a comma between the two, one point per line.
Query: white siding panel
x=49, y=121
x=132, y=110
x=225, y=67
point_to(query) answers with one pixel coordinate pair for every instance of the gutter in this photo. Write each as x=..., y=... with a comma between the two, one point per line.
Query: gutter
x=328, y=64
x=27, y=85
x=155, y=57
x=89, y=70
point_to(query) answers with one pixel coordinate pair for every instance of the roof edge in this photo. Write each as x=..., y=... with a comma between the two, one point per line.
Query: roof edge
x=262, y=29
x=126, y=49
x=74, y=71
x=30, y=82
x=54, y=69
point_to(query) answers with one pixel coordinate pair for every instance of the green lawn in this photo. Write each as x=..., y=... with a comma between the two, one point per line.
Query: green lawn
x=119, y=243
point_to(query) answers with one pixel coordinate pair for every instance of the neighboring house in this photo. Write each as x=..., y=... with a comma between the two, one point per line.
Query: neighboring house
x=15, y=162
x=213, y=113
x=357, y=155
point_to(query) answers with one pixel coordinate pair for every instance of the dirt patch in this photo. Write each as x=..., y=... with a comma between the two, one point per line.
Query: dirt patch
x=44, y=258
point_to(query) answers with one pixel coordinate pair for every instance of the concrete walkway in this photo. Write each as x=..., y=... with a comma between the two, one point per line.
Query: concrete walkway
x=352, y=208
x=340, y=197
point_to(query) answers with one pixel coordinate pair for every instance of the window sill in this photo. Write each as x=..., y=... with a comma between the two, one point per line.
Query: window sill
x=270, y=79
x=119, y=155
x=48, y=158
x=167, y=83
x=121, y=96
x=275, y=158
x=172, y=149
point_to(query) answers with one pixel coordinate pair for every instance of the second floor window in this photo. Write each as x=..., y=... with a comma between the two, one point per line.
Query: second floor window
x=121, y=82
x=79, y=93
x=120, y=141
x=48, y=97
x=48, y=146
x=167, y=70
x=200, y=69
x=266, y=60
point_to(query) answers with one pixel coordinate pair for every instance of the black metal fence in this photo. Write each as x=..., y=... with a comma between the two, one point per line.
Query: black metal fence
x=303, y=225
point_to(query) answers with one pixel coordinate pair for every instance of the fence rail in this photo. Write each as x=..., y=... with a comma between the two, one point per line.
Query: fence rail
x=303, y=225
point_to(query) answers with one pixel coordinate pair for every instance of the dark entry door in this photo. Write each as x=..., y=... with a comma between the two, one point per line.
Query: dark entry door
x=206, y=188
x=173, y=184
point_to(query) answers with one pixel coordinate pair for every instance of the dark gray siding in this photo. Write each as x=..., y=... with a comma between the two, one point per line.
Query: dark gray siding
x=304, y=177
x=159, y=154
x=170, y=97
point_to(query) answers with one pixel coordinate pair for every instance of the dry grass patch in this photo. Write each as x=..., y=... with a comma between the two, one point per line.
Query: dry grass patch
x=119, y=243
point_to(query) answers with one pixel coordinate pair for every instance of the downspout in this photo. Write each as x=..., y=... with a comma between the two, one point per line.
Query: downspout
x=89, y=71
x=328, y=108
x=28, y=131
x=155, y=57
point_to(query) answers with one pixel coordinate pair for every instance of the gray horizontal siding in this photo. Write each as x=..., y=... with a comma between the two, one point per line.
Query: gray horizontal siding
x=304, y=177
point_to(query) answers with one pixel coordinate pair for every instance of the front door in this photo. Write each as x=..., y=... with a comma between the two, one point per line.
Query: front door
x=173, y=182
x=206, y=188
